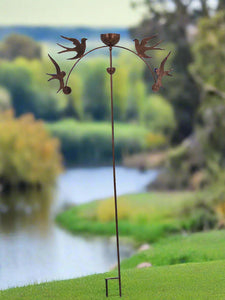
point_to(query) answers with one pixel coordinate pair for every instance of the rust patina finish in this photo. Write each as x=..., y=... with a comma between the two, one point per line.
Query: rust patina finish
x=111, y=40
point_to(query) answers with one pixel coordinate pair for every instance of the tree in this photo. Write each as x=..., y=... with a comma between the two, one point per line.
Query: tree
x=140, y=98
x=159, y=115
x=209, y=53
x=17, y=45
x=28, y=155
x=75, y=104
x=29, y=93
x=96, y=102
x=171, y=19
x=208, y=69
x=5, y=99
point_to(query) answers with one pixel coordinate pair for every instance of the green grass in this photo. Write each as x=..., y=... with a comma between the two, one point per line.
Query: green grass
x=144, y=217
x=196, y=247
x=188, y=281
x=90, y=142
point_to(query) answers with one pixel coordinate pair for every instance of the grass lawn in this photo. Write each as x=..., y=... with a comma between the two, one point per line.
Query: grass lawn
x=196, y=247
x=144, y=217
x=187, y=281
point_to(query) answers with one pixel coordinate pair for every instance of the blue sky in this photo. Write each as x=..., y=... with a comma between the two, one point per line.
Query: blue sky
x=69, y=12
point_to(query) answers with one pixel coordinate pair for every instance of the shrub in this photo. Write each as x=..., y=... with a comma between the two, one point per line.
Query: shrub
x=155, y=140
x=90, y=142
x=16, y=45
x=28, y=155
x=199, y=215
x=159, y=115
x=5, y=99
x=105, y=210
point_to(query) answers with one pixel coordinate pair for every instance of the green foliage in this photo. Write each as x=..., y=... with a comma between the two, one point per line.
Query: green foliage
x=19, y=79
x=28, y=155
x=199, y=216
x=156, y=141
x=140, y=98
x=5, y=99
x=121, y=91
x=90, y=142
x=207, y=68
x=182, y=90
x=159, y=115
x=209, y=51
x=17, y=45
x=75, y=102
x=96, y=102
x=144, y=217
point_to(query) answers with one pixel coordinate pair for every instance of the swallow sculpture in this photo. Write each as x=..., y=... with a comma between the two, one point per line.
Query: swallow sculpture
x=59, y=74
x=80, y=47
x=141, y=47
x=160, y=74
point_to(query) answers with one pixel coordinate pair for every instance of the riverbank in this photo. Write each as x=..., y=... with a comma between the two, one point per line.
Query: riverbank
x=28, y=217
x=144, y=161
x=175, y=225
x=190, y=281
x=145, y=217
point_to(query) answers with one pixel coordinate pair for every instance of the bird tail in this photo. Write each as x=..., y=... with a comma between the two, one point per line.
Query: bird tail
x=156, y=48
x=50, y=75
x=67, y=49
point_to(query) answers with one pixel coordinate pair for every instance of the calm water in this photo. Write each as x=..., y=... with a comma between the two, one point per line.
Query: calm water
x=34, y=249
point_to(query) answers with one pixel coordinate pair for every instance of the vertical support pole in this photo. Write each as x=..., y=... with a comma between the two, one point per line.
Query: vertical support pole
x=111, y=71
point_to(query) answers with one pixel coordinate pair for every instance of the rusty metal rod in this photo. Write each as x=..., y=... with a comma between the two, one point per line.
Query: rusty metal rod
x=80, y=59
x=147, y=64
x=114, y=174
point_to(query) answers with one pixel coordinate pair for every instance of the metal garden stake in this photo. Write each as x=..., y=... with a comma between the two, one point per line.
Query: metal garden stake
x=110, y=40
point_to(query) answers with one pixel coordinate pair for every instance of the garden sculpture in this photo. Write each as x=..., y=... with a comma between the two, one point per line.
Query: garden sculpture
x=111, y=40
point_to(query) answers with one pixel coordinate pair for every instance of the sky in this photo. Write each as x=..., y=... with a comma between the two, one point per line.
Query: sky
x=116, y=13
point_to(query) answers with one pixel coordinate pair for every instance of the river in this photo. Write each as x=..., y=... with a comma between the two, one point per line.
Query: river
x=34, y=249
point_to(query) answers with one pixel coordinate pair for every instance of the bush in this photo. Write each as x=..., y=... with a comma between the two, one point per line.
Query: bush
x=5, y=99
x=200, y=216
x=159, y=115
x=28, y=155
x=105, y=210
x=156, y=141
x=29, y=95
x=90, y=143
x=16, y=45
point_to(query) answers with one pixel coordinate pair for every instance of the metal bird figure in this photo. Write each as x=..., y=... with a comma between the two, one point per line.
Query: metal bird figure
x=80, y=47
x=141, y=47
x=160, y=73
x=59, y=74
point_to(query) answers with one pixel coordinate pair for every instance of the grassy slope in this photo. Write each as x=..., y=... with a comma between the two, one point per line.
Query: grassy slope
x=197, y=247
x=187, y=281
x=146, y=217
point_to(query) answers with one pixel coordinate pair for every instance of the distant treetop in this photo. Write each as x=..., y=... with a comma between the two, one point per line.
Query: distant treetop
x=16, y=45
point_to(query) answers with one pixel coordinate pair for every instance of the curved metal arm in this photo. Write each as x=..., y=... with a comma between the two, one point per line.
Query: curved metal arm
x=80, y=59
x=148, y=65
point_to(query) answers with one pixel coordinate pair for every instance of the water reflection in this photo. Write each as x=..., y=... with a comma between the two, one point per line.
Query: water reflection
x=34, y=249
x=26, y=210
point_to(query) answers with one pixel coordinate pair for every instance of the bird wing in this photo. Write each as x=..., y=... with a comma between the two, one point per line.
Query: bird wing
x=163, y=62
x=55, y=64
x=145, y=40
x=73, y=40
